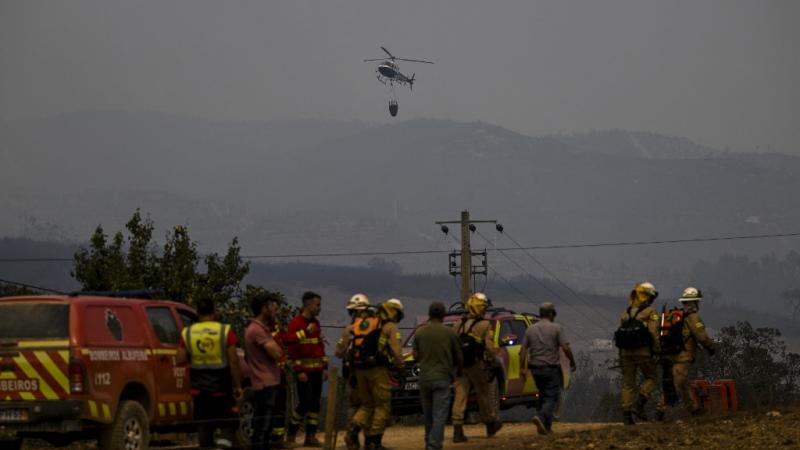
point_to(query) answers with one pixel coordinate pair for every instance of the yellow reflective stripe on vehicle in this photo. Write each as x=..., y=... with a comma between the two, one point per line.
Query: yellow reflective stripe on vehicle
x=162, y=410
x=92, y=408
x=530, y=386
x=64, y=354
x=106, y=412
x=172, y=409
x=54, y=371
x=44, y=388
x=43, y=344
x=163, y=351
x=513, y=361
x=184, y=409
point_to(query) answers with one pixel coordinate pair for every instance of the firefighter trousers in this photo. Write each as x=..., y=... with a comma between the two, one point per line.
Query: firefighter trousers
x=375, y=394
x=631, y=366
x=680, y=376
x=309, y=394
x=484, y=391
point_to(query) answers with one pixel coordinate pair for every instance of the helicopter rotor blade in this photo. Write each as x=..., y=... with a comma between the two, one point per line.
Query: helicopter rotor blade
x=375, y=59
x=415, y=60
x=387, y=52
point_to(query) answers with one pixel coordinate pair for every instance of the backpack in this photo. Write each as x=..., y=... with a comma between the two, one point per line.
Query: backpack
x=364, y=345
x=472, y=350
x=632, y=334
x=670, y=335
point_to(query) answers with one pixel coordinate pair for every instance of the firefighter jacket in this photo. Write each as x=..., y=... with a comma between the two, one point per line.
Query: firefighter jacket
x=694, y=333
x=304, y=342
x=390, y=343
x=483, y=331
x=649, y=317
x=279, y=334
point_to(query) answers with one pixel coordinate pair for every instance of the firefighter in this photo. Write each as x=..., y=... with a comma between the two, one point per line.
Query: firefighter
x=216, y=378
x=477, y=348
x=376, y=350
x=693, y=332
x=358, y=306
x=637, y=339
x=310, y=365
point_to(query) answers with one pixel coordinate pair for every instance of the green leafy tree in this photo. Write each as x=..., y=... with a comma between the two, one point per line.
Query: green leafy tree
x=178, y=275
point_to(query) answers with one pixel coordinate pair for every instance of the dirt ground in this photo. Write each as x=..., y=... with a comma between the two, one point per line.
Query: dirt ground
x=776, y=430
x=762, y=430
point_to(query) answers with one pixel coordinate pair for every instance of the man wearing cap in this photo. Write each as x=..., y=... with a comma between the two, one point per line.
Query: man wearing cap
x=541, y=358
x=694, y=333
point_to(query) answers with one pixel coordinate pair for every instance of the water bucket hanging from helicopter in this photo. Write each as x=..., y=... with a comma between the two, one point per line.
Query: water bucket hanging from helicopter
x=389, y=73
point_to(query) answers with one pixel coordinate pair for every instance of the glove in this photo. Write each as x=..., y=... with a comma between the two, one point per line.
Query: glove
x=711, y=351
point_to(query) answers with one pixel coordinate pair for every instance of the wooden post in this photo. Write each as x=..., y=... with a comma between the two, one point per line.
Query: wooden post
x=330, y=409
x=466, y=258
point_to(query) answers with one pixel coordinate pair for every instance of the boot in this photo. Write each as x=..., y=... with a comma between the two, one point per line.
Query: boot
x=351, y=438
x=312, y=441
x=291, y=436
x=370, y=443
x=379, y=443
x=458, y=434
x=627, y=418
x=493, y=427
x=638, y=410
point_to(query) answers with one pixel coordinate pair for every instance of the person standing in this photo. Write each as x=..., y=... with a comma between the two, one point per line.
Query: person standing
x=310, y=365
x=477, y=346
x=376, y=348
x=438, y=351
x=693, y=333
x=278, y=416
x=541, y=358
x=209, y=347
x=263, y=354
x=637, y=339
x=357, y=307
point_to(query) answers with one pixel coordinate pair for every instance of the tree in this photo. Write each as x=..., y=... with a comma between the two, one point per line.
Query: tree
x=131, y=261
x=791, y=299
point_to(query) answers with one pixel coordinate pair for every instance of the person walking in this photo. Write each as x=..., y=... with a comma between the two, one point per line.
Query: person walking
x=310, y=365
x=477, y=346
x=692, y=334
x=376, y=348
x=438, y=351
x=209, y=347
x=541, y=358
x=263, y=354
x=637, y=339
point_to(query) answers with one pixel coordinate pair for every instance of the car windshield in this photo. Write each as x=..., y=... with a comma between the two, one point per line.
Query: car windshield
x=34, y=320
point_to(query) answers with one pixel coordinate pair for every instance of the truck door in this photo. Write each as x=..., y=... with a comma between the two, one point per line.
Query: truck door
x=510, y=339
x=173, y=398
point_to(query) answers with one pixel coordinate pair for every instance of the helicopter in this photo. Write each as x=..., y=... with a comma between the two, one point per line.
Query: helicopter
x=389, y=73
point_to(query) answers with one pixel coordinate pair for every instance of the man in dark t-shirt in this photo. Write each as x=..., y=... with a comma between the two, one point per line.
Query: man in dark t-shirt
x=439, y=354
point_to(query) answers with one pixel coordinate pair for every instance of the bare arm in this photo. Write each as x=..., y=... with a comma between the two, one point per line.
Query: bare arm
x=568, y=352
x=233, y=362
x=343, y=343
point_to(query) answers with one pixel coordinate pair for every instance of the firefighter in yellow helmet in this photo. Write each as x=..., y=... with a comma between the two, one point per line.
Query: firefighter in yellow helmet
x=375, y=349
x=637, y=339
x=477, y=346
x=692, y=333
x=357, y=307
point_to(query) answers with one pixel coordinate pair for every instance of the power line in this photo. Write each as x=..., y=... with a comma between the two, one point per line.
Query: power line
x=431, y=252
x=30, y=286
x=554, y=276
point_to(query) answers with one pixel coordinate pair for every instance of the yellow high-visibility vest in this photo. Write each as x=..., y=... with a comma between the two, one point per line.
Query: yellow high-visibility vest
x=206, y=344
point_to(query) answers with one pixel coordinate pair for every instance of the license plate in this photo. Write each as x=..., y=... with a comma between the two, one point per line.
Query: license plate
x=411, y=386
x=13, y=415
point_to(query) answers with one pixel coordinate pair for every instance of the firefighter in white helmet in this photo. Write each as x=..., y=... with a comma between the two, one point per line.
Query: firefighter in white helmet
x=692, y=332
x=376, y=349
x=358, y=306
x=477, y=347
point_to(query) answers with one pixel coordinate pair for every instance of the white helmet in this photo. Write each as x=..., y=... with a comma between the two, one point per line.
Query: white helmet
x=357, y=302
x=691, y=294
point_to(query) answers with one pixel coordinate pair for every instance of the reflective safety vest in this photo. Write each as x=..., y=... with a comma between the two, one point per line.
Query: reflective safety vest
x=206, y=344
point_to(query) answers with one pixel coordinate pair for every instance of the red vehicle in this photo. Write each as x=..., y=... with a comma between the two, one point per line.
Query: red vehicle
x=78, y=367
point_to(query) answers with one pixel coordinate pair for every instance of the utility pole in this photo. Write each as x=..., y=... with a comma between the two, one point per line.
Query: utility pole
x=465, y=268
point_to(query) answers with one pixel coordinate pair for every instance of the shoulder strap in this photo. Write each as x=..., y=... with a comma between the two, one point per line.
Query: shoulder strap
x=474, y=322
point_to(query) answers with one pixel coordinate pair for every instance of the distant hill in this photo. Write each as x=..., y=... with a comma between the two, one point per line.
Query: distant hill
x=310, y=186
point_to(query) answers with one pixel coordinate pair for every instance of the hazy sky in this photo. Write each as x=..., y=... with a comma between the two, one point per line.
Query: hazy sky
x=724, y=73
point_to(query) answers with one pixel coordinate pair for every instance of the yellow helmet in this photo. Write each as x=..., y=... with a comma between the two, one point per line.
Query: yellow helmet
x=477, y=304
x=391, y=309
x=642, y=293
x=357, y=302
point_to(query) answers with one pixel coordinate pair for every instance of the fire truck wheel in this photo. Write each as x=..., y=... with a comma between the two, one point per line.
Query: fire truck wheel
x=15, y=444
x=246, y=411
x=129, y=431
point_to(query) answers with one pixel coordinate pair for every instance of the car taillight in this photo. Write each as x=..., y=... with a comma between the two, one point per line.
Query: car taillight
x=76, y=376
